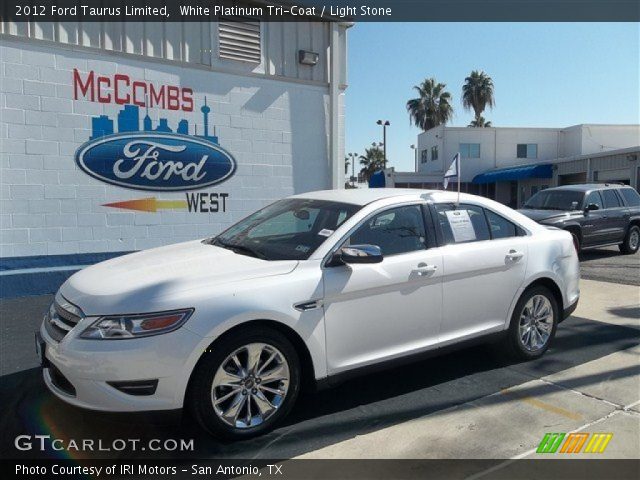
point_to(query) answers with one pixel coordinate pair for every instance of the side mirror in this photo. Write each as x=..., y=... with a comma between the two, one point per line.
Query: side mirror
x=361, y=254
x=591, y=206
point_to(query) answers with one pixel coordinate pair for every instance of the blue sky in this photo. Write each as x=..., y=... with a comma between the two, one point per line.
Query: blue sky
x=546, y=75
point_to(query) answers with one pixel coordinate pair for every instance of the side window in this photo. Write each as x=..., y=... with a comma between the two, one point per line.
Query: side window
x=501, y=227
x=610, y=199
x=594, y=197
x=397, y=230
x=465, y=223
x=631, y=196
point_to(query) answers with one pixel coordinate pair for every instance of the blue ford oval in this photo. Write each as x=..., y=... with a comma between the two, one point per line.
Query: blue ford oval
x=156, y=161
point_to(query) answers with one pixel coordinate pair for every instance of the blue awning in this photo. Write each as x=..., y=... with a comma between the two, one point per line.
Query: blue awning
x=515, y=173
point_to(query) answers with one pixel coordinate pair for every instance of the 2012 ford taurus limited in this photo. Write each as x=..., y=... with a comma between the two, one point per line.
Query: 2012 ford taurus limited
x=310, y=289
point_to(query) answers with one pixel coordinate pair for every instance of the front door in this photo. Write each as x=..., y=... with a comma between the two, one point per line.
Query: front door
x=375, y=312
x=594, y=224
x=484, y=259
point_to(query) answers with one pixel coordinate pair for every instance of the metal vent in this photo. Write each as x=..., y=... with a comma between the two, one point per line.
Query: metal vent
x=239, y=39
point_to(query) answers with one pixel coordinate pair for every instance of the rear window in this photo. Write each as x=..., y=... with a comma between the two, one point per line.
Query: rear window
x=631, y=197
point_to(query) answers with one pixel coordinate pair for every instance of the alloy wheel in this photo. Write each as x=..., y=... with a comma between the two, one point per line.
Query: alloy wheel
x=634, y=239
x=250, y=385
x=536, y=323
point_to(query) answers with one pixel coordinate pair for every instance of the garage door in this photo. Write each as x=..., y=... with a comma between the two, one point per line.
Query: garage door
x=620, y=175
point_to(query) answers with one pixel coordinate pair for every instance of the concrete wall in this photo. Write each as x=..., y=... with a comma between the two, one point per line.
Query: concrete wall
x=276, y=130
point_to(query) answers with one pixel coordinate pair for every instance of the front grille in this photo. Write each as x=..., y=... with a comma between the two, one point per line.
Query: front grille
x=61, y=318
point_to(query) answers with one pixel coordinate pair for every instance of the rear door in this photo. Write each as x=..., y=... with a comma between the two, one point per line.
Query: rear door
x=616, y=215
x=484, y=258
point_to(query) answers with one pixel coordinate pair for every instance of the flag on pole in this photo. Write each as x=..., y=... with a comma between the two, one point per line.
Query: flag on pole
x=453, y=172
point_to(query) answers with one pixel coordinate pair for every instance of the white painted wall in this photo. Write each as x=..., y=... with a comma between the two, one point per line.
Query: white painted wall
x=277, y=131
x=498, y=146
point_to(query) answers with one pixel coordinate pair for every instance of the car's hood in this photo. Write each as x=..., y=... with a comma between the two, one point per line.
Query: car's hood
x=126, y=284
x=540, y=215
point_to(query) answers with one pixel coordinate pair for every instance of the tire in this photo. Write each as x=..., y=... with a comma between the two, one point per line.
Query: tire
x=517, y=344
x=247, y=404
x=631, y=241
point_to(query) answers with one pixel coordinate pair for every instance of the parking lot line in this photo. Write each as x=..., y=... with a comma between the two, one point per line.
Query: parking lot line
x=540, y=404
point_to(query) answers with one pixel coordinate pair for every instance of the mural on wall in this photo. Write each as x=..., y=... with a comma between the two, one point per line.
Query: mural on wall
x=134, y=153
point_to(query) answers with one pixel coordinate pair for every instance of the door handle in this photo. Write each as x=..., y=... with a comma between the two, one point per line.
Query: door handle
x=514, y=255
x=424, y=269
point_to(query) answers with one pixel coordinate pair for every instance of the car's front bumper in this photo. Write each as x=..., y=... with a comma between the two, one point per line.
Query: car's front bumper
x=89, y=366
x=566, y=313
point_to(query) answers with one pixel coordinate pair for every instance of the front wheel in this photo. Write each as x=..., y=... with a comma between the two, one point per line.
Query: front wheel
x=631, y=241
x=245, y=384
x=533, y=324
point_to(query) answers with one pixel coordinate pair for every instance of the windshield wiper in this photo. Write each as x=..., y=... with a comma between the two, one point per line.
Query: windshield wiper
x=241, y=249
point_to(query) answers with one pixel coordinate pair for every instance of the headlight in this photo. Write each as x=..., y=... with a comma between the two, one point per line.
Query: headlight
x=117, y=327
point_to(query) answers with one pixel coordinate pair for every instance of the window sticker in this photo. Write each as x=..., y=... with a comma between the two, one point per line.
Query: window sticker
x=461, y=225
x=302, y=248
x=325, y=232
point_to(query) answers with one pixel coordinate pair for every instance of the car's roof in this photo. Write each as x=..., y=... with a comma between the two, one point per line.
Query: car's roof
x=365, y=196
x=361, y=196
x=584, y=187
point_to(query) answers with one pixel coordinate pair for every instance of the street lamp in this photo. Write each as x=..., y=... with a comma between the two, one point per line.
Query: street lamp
x=415, y=156
x=353, y=157
x=385, y=124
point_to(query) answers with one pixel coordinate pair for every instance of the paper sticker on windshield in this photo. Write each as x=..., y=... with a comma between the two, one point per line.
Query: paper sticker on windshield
x=302, y=248
x=325, y=232
x=461, y=225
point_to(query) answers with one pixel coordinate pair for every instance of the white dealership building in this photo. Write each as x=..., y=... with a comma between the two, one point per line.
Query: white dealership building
x=511, y=164
x=85, y=109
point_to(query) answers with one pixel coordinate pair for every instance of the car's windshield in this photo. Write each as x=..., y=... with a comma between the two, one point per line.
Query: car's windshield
x=556, y=200
x=290, y=229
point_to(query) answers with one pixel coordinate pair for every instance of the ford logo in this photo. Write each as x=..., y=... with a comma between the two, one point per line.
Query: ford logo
x=156, y=161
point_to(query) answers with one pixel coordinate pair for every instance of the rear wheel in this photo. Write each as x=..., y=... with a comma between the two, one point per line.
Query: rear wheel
x=533, y=324
x=631, y=241
x=245, y=384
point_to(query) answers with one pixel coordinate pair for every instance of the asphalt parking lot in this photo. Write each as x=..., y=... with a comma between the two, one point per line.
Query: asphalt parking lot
x=468, y=404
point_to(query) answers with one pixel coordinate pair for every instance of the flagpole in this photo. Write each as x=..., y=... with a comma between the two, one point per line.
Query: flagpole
x=459, y=175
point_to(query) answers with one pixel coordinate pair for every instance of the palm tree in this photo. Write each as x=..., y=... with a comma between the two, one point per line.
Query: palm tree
x=432, y=107
x=479, y=122
x=347, y=163
x=371, y=161
x=477, y=93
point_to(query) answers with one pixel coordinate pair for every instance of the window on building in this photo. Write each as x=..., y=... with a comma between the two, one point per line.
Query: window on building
x=434, y=153
x=395, y=231
x=611, y=200
x=239, y=39
x=470, y=150
x=527, y=150
x=424, y=156
x=462, y=224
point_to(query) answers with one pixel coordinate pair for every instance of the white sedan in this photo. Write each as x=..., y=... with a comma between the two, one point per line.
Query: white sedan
x=307, y=291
